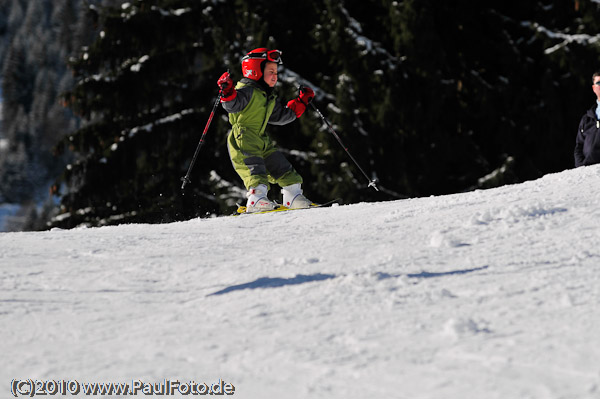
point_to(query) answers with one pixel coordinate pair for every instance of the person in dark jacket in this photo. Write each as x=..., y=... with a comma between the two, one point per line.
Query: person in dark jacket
x=587, y=143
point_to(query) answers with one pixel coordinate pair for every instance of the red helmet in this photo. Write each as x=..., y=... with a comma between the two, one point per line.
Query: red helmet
x=253, y=62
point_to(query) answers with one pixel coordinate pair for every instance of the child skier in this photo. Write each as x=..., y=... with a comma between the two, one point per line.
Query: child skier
x=251, y=104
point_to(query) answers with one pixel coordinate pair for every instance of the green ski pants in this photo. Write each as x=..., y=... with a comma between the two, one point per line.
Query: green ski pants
x=257, y=160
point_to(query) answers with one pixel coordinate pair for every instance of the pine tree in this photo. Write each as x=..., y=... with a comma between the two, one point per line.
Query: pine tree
x=430, y=97
x=35, y=40
x=144, y=98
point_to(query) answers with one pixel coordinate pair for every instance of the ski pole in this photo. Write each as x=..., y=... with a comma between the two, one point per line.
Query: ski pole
x=186, y=178
x=371, y=182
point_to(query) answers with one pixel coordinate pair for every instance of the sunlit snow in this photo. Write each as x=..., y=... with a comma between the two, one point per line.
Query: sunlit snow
x=486, y=294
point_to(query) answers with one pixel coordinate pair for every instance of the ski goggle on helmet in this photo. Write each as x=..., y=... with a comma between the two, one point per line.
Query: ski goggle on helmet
x=253, y=62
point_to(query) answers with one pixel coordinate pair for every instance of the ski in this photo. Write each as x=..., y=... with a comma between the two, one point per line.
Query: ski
x=241, y=210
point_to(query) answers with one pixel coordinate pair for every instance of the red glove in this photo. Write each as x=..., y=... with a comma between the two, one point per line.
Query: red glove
x=306, y=94
x=298, y=105
x=225, y=83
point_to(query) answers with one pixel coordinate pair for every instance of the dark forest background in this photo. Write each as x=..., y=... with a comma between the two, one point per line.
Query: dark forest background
x=104, y=102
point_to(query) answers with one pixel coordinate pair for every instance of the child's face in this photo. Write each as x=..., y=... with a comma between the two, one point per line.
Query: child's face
x=270, y=74
x=596, y=86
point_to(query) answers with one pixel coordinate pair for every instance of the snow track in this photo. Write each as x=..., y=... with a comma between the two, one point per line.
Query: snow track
x=487, y=294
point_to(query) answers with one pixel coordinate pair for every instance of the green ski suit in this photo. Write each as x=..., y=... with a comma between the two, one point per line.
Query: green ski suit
x=251, y=150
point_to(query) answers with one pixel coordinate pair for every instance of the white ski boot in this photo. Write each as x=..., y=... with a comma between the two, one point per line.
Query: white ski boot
x=258, y=200
x=293, y=198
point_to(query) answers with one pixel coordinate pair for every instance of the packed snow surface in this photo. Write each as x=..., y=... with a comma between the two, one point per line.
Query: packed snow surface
x=487, y=294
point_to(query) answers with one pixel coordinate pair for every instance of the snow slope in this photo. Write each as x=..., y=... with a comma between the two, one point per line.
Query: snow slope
x=486, y=294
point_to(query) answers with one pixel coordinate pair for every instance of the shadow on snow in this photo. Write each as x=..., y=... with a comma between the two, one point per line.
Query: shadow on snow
x=276, y=282
x=424, y=274
x=270, y=282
